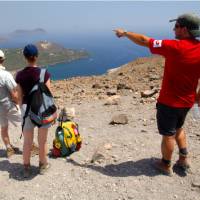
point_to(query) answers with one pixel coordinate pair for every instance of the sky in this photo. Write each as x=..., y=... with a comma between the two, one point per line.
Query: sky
x=92, y=17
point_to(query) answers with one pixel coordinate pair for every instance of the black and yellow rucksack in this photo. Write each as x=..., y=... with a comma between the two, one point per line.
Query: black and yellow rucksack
x=67, y=139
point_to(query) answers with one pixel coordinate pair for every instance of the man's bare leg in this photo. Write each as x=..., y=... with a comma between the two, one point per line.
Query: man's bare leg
x=182, y=145
x=167, y=147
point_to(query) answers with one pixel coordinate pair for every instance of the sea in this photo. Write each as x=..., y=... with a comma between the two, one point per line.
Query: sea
x=106, y=51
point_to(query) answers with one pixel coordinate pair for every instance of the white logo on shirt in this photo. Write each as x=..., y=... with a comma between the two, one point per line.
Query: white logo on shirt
x=157, y=43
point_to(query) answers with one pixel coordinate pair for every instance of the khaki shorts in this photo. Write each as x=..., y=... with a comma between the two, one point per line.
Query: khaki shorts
x=12, y=115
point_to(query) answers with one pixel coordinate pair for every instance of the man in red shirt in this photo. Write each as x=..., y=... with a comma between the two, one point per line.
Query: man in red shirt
x=178, y=90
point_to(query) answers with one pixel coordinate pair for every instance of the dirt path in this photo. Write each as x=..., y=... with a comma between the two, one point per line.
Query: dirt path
x=124, y=173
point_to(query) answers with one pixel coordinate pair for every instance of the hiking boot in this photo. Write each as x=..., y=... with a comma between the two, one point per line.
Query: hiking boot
x=16, y=149
x=11, y=151
x=27, y=171
x=183, y=164
x=163, y=168
x=34, y=150
x=43, y=168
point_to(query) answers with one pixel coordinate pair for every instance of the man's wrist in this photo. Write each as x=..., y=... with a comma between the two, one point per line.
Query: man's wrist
x=125, y=33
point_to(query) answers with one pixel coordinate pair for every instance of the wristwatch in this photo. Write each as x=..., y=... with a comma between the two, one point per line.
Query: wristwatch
x=125, y=32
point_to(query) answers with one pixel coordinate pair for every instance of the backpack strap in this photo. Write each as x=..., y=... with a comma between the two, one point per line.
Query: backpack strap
x=41, y=80
x=25, y=116
x=42, y=75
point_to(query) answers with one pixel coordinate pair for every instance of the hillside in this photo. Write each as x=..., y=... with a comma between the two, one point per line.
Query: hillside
x=131, y=78
x=49, y=54
x=115, y=161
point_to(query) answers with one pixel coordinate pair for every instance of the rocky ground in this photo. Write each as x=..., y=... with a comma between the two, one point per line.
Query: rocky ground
x=115, y=161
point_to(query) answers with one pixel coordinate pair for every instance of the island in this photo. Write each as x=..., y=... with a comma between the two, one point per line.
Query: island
x=49, y=54
x=29, y=32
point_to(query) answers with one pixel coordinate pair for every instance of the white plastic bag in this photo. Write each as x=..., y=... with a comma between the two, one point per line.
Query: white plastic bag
x=196, y=112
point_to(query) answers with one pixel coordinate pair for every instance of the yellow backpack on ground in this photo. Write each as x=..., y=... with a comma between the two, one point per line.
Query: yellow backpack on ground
x=67, y=139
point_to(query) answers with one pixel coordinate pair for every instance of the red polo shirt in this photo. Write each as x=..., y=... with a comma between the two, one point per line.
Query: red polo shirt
x=181, y=72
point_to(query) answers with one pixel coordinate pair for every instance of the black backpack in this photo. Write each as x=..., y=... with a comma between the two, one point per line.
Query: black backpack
x=40, y=104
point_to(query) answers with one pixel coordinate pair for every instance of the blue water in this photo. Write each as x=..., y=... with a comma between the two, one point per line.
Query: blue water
x=105, y=52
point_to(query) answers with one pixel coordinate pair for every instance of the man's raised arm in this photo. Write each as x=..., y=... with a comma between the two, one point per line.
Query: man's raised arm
x=139, y=39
